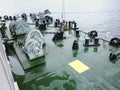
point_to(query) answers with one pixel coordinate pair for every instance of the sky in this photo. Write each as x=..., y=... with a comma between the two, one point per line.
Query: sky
x=13, y=7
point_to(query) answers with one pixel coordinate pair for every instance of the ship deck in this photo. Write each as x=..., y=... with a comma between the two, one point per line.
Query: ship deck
x=94, y=70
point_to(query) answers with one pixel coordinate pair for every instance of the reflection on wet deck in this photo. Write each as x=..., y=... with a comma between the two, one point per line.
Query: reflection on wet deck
x=56, y=74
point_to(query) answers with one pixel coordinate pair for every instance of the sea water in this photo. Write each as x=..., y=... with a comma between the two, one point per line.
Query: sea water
x=100, y=15
x=107, y=23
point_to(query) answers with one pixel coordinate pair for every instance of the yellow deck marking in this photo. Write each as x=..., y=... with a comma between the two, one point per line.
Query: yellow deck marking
x=79, y=66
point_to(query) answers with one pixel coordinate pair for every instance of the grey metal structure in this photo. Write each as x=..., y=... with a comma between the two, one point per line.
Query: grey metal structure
x=33, y=46
x=6, y=78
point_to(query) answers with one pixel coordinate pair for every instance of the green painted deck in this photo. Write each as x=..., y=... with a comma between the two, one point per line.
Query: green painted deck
x=57, y=74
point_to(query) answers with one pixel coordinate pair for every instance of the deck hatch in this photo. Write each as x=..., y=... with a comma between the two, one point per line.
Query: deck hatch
x=78, y=66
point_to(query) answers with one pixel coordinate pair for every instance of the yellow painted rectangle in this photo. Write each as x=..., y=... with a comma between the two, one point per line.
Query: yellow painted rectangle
x=79, y=66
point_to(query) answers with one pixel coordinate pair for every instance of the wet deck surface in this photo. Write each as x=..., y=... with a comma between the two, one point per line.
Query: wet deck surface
x=57, y=74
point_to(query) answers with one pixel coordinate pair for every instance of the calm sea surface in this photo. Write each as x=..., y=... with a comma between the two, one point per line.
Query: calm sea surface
x=103, y=22
x=100, y=15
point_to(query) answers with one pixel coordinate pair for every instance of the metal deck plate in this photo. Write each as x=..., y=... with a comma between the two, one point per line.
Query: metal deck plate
x=56, y=74
x=79, y=66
